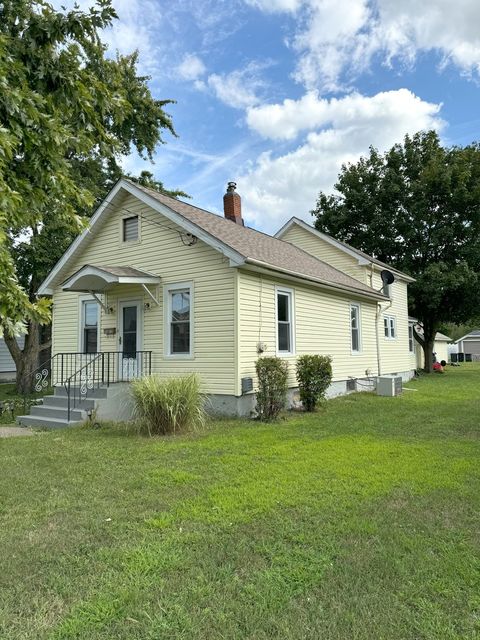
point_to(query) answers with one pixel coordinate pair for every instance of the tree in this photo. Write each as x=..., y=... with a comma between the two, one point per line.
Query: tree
x=147, y=179
x=416, y=207
x=67, y=114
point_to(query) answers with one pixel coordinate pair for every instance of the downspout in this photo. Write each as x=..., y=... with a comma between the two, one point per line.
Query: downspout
x=377, y=317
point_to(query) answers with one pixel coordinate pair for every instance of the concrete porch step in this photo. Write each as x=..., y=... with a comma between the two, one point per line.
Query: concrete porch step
x=92, y=393
x=40, y=422
x=61, y=401
x=61, y=413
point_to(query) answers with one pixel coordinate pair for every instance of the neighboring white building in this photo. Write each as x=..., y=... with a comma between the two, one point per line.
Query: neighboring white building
x=7, y=365
x=440, y=347
x=469, y=343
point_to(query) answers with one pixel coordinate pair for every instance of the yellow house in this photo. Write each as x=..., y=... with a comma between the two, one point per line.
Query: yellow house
x=393, y=349
x=159, y=286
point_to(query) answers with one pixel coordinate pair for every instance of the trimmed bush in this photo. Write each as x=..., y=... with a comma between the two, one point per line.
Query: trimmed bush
x=314, y=375
x=272, y=376
x=168, y=405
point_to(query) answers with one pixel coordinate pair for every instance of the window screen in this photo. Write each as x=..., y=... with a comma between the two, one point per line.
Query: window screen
x=180, y=321
x=90, y=326
x=284, y=321
x=355, y=326
x=130, y=229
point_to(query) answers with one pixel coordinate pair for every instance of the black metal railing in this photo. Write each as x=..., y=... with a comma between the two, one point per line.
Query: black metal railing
x=79, y=373
x=97, y=370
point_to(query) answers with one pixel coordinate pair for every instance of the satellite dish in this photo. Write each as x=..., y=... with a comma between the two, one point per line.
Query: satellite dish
x=387, y=277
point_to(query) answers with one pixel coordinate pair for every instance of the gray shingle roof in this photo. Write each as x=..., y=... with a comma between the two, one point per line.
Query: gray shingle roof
x=128, y=272
x=259, y=247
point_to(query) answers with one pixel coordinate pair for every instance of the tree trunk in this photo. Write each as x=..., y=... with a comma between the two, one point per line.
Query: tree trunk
x=26, y=360
x=427, y=342
x=428, y=355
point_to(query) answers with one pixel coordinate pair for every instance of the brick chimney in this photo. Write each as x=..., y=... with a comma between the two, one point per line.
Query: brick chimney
x=232, y=204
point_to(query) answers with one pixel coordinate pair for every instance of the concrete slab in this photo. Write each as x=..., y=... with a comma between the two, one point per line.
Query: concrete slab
x=14, y=431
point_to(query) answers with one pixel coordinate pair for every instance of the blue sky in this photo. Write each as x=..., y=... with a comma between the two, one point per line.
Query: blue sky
x=277, y=94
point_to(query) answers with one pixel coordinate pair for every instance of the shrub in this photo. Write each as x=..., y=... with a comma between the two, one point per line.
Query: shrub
x=272, y=376
x=168, y=405
x=314, y=375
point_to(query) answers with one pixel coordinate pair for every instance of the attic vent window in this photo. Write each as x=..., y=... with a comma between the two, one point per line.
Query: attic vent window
x=130, y=229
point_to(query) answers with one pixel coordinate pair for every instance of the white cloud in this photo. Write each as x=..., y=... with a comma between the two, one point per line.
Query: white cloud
x=285, y=121
x=276, y=188
x=239, y=88
x=337, y=40
x=191, y=67
x=275, y=6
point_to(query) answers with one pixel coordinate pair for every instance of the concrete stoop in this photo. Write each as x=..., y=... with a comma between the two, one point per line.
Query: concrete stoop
x=53, y=412
x=107, y=402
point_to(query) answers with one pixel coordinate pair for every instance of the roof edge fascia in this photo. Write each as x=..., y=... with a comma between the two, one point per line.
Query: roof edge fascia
x=361, y=260
x=235, y=258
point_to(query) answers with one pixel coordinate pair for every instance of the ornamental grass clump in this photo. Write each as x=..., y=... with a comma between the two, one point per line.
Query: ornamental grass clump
x=168, y=405
x=272, y=374
x=314, y=375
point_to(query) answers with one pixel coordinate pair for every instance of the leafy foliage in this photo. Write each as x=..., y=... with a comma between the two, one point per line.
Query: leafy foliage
x=272, y=376
x=416, y=207
x=168, y=405
x=314, y=375
x=67, y=114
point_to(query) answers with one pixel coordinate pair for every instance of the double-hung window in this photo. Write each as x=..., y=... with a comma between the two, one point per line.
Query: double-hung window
x=390, y=327
x=179, y=320
x=89, y=326
x=411, y=340
x=285, y=336
x=355, y=327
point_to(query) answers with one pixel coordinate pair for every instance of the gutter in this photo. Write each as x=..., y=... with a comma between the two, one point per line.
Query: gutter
x=324, y=283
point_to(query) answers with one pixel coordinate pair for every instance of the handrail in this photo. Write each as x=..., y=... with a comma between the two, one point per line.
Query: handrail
x=116, y=366
x=83, y=388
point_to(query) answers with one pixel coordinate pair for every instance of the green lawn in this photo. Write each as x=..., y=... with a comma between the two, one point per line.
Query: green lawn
x=359, y=522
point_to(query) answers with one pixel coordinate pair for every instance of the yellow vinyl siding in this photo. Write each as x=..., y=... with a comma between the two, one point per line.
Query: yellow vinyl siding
x=322, y=326
x=394, y=353
x=316, y=246
x=161, y=252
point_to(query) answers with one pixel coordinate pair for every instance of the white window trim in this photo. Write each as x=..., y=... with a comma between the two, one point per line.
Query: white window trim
x=167, y=289
x=394, y=318
x=356, y=352
x=291, y=297
x=139, y=237
x=81, y=300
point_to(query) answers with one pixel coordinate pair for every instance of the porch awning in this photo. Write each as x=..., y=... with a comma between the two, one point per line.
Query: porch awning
x=91, y=278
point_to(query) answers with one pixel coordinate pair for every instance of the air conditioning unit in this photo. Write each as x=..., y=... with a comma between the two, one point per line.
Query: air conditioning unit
x=389, y=386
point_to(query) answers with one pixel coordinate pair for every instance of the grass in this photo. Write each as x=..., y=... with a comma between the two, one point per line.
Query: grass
x=359, y=522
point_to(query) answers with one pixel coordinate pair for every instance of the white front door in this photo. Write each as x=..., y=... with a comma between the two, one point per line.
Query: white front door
x=130, y=340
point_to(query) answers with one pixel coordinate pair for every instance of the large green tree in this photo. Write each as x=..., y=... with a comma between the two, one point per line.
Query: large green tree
x=67, y=114
x=416, y=207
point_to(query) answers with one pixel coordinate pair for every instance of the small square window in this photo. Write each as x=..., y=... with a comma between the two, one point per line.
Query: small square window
x=130, y=229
